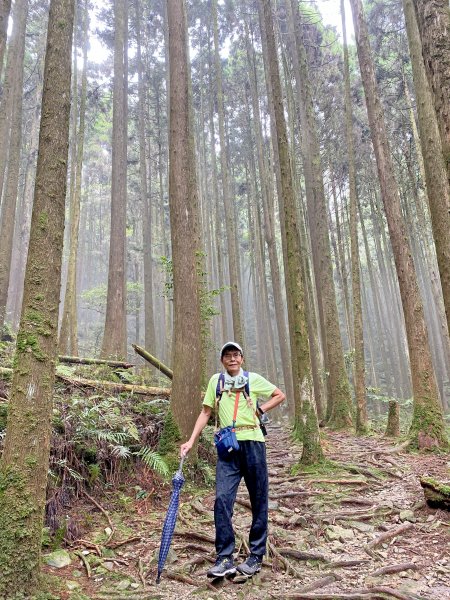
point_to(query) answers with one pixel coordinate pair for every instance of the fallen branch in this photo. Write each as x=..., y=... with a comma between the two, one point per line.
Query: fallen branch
x=116, y=387
x=395, y=569
x=77, y=360
x=109, y=386
x=155, y=362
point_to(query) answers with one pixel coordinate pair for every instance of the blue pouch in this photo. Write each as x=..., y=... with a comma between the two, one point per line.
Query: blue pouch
x=226, y=441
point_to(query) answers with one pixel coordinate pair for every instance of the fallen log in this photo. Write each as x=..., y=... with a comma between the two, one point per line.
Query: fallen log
x=153, y=361
x=108, y=386
x=117, y=388
x=77, y=360
x=437, y=494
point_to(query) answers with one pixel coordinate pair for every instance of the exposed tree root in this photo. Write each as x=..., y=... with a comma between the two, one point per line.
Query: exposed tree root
x=386, y=536
x=395, y=569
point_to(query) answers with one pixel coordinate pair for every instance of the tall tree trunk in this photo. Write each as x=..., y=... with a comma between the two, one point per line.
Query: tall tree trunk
x=306, y=416
x=269, y=226
x=184, y=225
x=339, y=398
x=428, y=423
x=230, y=225
x=70, y=320
x=436, y=177
x=8, y=212
x=358, y=335
x=115, y=334
x=433, y=18
x=144, y=195
x=24, y=464
x=5, y=7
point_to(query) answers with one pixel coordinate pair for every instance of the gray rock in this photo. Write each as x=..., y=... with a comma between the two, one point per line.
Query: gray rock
x=58, y=559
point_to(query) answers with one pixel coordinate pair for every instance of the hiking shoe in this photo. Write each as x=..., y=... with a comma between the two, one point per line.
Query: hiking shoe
x=251, y=566
x=224, y=566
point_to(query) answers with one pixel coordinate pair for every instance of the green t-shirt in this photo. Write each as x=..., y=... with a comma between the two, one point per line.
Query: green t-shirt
x=246, y=414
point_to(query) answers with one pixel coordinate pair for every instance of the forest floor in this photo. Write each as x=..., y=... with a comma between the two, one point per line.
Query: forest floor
x=357, y=527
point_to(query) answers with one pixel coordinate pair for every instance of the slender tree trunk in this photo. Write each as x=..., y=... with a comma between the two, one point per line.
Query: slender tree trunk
x=144, y=195
x=5, y=7
x=306, y=416
x=269, y=226
x=70, y=319
x=358, y=335
x=115, y=334
x=24, y=464
x=428, y=423
x=433, y=18
x=436, y=176
x=184, y=226
x=8, y=212
x=339, y=398
x=230, y=225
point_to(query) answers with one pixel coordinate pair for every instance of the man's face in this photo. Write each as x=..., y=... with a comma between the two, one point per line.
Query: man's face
x=232, y=360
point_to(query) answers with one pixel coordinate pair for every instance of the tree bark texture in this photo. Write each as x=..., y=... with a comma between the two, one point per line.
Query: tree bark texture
x=115, y=333
x=358, y=332
x=433, y=17
x=24, y=464
x=184, y=224
x=339, y=398
x=436, y=177
x=306, y=417
x=427, y=413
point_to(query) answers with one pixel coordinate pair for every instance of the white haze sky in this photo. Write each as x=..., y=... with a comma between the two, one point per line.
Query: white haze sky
x=329, y=9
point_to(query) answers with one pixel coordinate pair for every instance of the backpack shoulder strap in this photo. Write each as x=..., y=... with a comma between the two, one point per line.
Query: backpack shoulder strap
x=247, y=385
x=220, y=384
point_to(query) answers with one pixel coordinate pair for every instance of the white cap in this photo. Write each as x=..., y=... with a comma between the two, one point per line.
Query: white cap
x=231, y=345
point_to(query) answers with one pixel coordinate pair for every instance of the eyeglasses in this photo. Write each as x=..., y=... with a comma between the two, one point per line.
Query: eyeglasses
x=230, y=355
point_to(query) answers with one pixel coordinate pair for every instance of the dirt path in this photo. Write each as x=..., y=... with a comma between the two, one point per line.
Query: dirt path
x=357, y=528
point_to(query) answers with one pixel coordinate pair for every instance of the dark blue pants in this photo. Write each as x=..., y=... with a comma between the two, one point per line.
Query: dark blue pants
x=250, y=463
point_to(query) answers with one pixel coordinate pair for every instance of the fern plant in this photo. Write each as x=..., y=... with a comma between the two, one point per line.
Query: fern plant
x=154, y=461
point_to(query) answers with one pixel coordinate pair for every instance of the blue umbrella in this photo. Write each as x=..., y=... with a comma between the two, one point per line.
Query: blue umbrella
x=171, y=519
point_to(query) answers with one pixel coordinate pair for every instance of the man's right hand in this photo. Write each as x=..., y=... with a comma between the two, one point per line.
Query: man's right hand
x=185, y=448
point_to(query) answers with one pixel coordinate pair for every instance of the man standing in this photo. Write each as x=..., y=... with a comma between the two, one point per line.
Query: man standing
x=249, y=462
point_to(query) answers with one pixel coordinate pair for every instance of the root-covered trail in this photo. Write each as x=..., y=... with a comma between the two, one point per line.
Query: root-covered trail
x=355, y=528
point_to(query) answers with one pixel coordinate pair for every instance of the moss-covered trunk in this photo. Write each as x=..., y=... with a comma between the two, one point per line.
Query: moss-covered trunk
x=428, y=422
x=24, y=465
x=339, y=398
x=306, y=424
